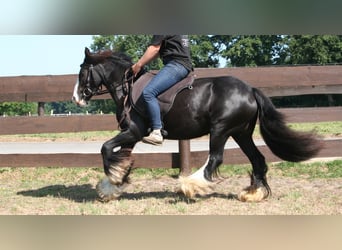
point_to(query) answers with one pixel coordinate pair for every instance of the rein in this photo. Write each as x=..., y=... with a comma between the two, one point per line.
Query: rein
x=88, y=91
x=126, y=84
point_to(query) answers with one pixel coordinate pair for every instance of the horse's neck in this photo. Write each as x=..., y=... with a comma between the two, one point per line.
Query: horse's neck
x=116, y=76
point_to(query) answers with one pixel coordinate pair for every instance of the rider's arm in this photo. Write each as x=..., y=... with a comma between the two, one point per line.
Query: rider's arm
x=150, y=54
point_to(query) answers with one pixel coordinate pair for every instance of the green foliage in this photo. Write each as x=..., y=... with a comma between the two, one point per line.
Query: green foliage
x=279, y=49
x=94, y=107
x=18, y=108
x=203, y=48
x=317, y=49
x=204, y=51
x=253, y=50
x=132, y=45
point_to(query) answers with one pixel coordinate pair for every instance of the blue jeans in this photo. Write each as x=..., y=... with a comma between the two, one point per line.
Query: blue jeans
x=168, y=76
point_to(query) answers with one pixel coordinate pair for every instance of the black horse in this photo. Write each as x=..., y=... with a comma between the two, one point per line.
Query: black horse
x=218, y=106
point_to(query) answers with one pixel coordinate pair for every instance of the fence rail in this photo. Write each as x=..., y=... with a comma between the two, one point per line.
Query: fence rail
x=82, y=123
x=273, y=81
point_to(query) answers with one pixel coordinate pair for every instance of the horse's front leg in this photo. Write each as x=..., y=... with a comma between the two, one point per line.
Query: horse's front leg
x=117, y=163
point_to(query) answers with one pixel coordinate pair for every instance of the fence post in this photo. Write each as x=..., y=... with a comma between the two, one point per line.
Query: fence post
x=184, y=157
x=41, y=109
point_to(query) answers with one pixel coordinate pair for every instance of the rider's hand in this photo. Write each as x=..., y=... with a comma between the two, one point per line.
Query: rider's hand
x=136, y=68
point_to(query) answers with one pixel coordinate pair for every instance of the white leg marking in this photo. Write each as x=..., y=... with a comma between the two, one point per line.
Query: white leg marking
x=107, y=191
x=199, y=174
x=196, y=183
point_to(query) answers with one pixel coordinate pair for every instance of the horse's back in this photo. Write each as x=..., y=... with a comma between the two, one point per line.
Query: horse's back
x=225, y=83
x=210, y=100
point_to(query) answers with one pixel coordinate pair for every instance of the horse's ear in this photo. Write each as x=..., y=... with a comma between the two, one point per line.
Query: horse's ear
x=87, y=52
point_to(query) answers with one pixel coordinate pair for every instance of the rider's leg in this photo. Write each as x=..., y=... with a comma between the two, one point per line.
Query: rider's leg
x=169, y=75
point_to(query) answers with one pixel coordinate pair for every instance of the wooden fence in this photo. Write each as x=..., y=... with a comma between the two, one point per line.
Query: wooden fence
x=273, y=81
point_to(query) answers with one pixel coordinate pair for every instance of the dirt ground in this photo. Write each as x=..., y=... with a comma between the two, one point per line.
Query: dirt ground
x=55, y=191
x=290, y=196
x=158, y=196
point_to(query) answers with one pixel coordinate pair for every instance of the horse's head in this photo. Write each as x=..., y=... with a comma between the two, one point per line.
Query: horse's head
x=91, y=77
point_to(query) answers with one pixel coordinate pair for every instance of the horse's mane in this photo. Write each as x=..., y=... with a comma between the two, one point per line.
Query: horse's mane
x=117, y=57
x=121, y=58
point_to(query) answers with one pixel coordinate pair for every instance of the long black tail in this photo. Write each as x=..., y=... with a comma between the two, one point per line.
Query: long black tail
x=284, y=142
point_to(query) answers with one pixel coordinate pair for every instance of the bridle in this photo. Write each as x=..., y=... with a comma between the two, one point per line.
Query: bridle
x=88, y=91
x=125, y=84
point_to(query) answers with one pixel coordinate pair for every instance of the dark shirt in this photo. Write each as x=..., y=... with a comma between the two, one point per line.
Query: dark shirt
x=174, y=47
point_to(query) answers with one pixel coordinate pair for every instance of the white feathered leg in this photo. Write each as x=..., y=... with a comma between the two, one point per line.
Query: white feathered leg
x=108, y=191
x=196, y=183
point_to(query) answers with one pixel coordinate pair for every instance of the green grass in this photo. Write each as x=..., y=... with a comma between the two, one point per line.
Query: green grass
x=154, y=173
x=48, y=190
x=325, y=129
x=82, y=136
x=331, y=169
x=234, y=170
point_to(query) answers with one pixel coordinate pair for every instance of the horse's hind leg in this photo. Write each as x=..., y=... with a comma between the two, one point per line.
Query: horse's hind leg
x=258, y=189
x=201, y=182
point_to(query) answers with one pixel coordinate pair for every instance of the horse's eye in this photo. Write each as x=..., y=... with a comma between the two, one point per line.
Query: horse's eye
x=82, y=75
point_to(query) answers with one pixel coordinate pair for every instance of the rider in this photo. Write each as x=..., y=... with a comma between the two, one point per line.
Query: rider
x=175, y=53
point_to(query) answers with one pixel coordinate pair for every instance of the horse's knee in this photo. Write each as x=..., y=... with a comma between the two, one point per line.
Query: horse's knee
x=106, y=149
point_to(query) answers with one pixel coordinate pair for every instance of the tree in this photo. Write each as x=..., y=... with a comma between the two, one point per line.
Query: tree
x=94, y=107
x=18, y=108
x=252, y=50
x=205, y=52
x=203, y=49
x=132, y=45
x=242, y=50
x=314, y=49
x=311, y=49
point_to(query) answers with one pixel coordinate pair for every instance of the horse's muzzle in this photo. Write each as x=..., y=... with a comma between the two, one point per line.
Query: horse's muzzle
x=79, y=102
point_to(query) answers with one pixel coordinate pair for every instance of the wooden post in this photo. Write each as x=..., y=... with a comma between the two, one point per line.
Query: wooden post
x=184, y=157
x=41, y=109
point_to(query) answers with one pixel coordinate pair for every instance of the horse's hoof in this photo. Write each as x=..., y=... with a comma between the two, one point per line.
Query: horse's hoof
x=251, y=194
x=107, y=191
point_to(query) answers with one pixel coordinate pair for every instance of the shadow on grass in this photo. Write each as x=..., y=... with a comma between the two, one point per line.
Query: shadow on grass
x=175, y=197
x=86, y=193
x=77, y=193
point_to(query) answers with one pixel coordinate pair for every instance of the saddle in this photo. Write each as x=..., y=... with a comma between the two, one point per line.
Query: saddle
x=165, y=99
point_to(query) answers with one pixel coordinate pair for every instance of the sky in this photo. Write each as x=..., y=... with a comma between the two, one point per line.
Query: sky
x=42, y=54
